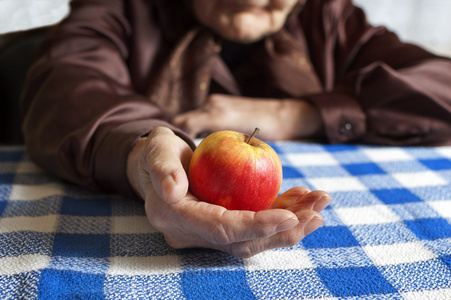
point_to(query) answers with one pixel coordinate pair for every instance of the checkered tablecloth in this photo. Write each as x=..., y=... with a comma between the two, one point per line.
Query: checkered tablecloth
x=387, y=235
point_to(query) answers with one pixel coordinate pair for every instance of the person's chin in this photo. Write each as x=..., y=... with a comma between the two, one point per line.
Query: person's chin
x=246, y=33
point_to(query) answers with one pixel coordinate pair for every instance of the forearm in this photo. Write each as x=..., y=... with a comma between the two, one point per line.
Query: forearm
x=381, y=105
x=83, y=133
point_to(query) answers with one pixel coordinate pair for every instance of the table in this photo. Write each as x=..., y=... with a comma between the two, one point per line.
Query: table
x=387, y=235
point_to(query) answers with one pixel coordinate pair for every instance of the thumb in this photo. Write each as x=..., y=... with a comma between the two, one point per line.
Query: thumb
x=170, y=183
x=167, y=162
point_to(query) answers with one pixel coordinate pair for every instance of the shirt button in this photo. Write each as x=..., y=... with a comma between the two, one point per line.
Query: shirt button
x=346, y=129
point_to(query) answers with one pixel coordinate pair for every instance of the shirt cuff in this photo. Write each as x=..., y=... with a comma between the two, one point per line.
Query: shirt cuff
x=111, y=158
x=343, y=117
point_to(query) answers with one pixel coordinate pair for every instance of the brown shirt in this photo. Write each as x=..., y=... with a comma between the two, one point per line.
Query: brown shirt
x=115, y=69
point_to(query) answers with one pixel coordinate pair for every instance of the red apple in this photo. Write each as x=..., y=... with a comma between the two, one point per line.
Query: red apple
x=236, y=171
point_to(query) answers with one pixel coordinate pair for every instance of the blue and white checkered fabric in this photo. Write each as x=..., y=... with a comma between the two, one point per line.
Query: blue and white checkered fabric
x=387, y=235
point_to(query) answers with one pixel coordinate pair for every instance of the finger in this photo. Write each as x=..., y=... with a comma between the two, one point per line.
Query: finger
x=198, y=121
x=308, y=223
x=184, y=123
x=316, y=201
x=323, y=202
x=219, y=112
x=290, y=197
x=167, y=161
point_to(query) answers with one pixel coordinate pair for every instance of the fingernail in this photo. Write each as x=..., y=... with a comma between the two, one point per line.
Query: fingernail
x=313, y=224
x=287, y=224
x=322, y=203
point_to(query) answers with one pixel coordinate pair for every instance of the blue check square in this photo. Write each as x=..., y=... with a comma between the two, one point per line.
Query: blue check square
x=290, y=172
x=216, y=284
x=81, y=245
x=64, y=284
x=11, y=155
x=3, y=204
x=86, y=207
x=430, y=229
x=7, y=178
x=396, y=196
x=437, y=164
x=363, y=169
x=330, y=237
x=340, y=147
x=354, y=282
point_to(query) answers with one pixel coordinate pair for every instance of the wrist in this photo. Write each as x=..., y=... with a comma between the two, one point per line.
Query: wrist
x=305, y=118
x=133, y=166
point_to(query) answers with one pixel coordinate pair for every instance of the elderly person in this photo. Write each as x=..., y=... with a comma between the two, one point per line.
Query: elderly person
x=122, y=87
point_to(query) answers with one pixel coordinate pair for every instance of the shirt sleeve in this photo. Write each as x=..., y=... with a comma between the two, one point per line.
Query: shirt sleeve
x=82, y=113
x=377, y=89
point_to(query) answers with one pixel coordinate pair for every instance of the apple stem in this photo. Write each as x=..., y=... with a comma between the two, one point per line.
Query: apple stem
x=256, y=131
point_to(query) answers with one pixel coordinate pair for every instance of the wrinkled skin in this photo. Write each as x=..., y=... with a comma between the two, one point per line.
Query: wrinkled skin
x=157, y=169
x=277, y=119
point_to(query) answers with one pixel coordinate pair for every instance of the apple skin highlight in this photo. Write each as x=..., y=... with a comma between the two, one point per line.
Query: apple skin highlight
x=227, y=171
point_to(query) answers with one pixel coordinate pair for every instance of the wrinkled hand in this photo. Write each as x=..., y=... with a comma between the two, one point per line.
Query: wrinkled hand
x=157, y=170
x=278, y=119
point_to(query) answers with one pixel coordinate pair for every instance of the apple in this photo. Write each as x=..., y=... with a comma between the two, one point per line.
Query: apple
x=236, y=171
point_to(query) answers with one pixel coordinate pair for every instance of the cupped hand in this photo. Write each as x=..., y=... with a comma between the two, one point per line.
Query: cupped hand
x=278, y=119
x=192, y=223
x=157, y=170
